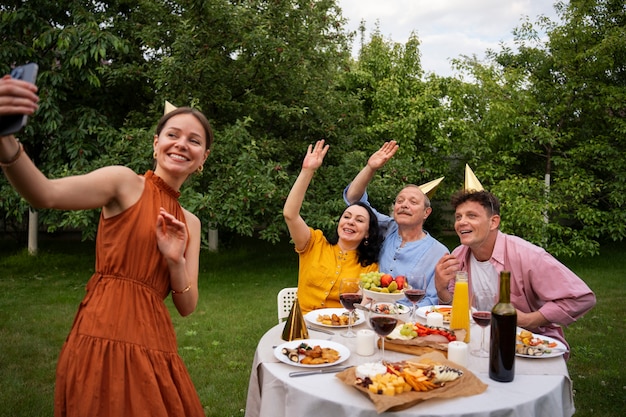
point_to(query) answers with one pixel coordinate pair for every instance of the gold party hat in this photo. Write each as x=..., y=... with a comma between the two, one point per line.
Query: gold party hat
x=430, y=187
x=169, y=107
x=295, y=328
x=471, y=182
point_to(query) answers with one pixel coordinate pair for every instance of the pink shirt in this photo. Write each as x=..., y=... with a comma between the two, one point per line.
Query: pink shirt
x=539, y=282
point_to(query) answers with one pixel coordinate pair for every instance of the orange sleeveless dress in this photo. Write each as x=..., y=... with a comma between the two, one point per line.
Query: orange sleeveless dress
x=121, y=357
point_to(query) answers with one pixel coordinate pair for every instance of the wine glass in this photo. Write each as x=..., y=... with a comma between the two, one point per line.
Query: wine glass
x=482, y=303
x=383, y=319
x=415, y=292
x=350, y=293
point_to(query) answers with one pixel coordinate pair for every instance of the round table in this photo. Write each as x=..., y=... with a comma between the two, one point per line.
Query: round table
x=541, y=387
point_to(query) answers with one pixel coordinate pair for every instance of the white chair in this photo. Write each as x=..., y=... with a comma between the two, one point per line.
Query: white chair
x=285, y=300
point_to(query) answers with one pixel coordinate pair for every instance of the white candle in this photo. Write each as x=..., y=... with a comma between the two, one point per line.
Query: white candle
x=365, y=342
x=458, y=353
x=434, y=319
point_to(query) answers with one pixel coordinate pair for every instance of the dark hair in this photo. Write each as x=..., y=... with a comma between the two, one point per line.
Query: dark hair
x=484, y=198
x=198, y=115
x=367, y=253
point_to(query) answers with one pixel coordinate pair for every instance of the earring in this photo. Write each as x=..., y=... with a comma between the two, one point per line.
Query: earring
x=366, y=242
x=200, y=169
x=154, y=155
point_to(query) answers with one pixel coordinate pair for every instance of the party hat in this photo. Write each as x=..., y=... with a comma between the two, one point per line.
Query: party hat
x=471, y=182
x=169, y=107
x=295, y=327
x=430, y=187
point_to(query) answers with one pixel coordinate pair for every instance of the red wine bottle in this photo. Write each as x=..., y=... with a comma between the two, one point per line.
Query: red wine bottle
x=503, y=330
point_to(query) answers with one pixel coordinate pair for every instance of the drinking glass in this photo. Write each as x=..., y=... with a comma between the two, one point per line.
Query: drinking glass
x=350, y=293
x=482, y=303
x=415, y=292
x=383, y=319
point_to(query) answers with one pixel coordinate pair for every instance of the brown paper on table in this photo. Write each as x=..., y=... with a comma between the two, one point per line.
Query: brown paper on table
x=466, y=385
x=419, y=345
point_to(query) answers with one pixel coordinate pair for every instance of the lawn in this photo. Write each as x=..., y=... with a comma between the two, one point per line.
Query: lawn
x=238, y=286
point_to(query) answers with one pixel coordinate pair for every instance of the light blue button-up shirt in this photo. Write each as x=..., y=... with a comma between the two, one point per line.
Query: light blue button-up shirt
x=418, y=256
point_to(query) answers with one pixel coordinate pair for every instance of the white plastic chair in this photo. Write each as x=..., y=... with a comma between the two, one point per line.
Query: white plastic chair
x=285, y=300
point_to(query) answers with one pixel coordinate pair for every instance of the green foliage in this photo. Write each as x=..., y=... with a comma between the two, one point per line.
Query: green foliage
x=247, y=185
x=266, y=72
x=397, y=104
x=274, y=77
x=84, y=99
x=551, y=110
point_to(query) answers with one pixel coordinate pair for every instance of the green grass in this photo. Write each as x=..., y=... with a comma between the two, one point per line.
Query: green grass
x=597, y=362
x=238, y=286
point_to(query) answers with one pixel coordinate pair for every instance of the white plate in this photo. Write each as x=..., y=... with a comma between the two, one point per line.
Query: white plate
x=383, y=296
x=311, y=316
x=344, y=352
x=559, y=350
x=424, y=311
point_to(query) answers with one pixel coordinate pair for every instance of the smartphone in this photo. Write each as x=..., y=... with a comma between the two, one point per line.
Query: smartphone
x=13, y=123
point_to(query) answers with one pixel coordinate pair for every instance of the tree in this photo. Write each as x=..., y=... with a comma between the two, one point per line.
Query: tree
x=263, y=71
x=542, y=126
x=267, y=71
x=399, y=103
x=85, y=76
x=553, y=111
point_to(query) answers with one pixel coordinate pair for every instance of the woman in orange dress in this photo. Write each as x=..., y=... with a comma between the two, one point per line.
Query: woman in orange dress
x=121, y=356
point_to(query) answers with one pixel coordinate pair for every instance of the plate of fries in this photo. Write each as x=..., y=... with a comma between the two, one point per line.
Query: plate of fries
x=333, y=317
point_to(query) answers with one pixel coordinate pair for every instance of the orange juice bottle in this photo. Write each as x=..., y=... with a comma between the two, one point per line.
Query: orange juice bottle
x=459, y=317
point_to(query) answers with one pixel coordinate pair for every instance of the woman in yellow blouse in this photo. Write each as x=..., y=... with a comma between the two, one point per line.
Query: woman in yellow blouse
x=323, y=262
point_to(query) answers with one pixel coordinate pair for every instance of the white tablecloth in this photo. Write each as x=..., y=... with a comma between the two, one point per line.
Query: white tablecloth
x=541, y=387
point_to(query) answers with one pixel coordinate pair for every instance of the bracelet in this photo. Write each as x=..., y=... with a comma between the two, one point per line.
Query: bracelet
x=20, y=151
x=187, y=288
x=445, y=302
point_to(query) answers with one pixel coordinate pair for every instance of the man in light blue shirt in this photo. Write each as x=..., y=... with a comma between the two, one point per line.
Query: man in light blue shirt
x=407, y=249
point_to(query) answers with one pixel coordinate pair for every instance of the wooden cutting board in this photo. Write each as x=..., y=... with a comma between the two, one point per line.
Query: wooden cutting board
x=410, y=349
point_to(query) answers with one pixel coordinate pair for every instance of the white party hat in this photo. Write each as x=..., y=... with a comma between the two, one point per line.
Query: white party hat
x=169, y=107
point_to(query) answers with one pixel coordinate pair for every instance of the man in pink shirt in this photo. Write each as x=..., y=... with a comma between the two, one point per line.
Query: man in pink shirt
x=546, y=294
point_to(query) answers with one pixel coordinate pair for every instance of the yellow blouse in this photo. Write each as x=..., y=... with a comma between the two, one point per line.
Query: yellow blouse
x=321, y=268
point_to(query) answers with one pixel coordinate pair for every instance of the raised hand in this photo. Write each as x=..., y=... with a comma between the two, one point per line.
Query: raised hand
x=381, y=156
x=315, y=155
x=171, y=236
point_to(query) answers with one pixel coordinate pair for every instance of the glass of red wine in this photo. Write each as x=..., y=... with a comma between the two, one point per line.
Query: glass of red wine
x=383, y=319
x=482, y=303
x=415, y=292
x=350, y=293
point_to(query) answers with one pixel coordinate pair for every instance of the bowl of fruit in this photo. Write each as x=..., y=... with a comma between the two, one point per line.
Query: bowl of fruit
x=383, y=287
